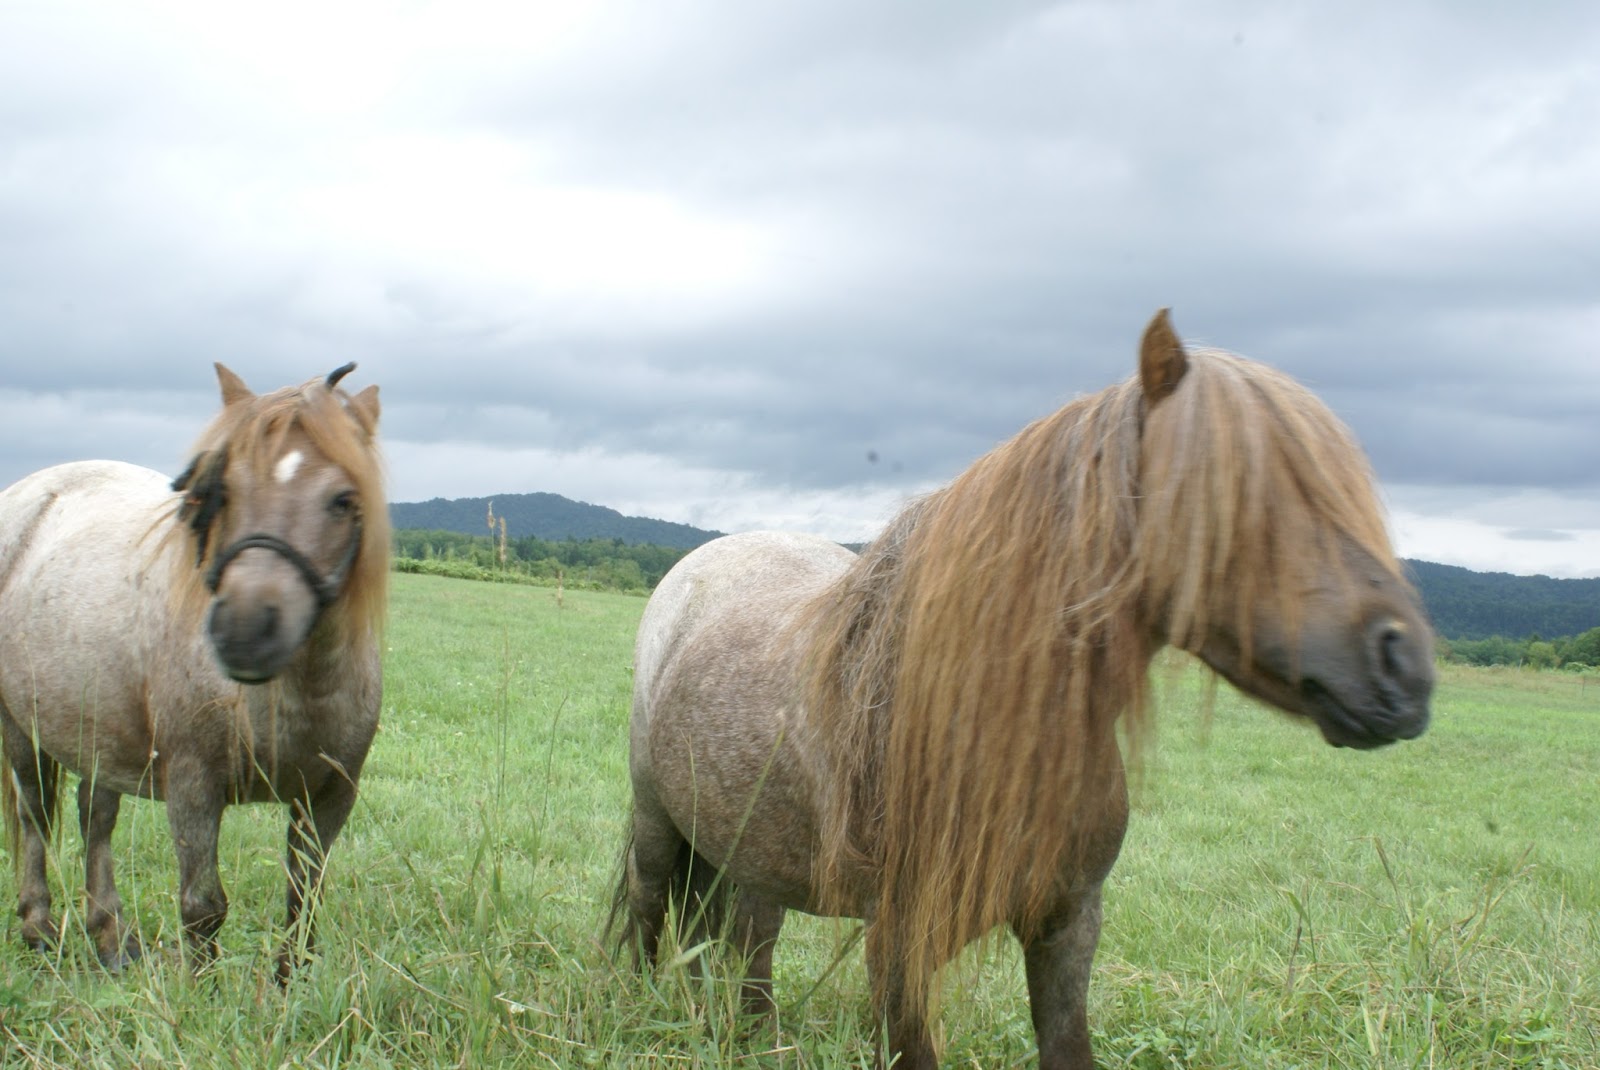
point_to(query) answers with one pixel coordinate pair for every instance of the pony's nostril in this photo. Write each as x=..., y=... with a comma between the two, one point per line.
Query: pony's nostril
x=1393, y=650
x=267, y=623
x=218, y=621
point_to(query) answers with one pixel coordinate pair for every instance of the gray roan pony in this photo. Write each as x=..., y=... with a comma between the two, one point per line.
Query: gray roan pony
x=206, y=641
x=926, y=736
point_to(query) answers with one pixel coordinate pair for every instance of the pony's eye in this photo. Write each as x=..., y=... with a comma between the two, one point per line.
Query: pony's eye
x=342, y=504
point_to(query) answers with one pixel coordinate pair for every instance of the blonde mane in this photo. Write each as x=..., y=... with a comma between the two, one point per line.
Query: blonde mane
x=970, y=671
x=251, y=432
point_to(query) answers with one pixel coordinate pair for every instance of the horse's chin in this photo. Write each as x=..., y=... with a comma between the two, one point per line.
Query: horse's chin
x=1342, y=726
x=1342, y=722
x=253, y=667
x=251, y=663
x=249, y=676
x=1339, y=735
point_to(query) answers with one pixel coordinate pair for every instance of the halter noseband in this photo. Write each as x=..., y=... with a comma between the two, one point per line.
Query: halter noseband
x=326, y=589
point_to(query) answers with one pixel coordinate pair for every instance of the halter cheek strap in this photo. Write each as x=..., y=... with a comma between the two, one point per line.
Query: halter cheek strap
x=326, y=589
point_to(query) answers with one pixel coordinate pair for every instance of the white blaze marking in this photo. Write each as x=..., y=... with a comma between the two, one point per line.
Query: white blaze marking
x=287, y=465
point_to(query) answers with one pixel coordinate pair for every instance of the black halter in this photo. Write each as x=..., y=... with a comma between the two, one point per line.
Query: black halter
x=326, y=589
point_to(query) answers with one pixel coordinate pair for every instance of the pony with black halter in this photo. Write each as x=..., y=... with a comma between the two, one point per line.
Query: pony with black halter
x=206, y=642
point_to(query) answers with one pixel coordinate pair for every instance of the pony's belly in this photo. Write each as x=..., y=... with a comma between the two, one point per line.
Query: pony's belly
x=774, y=860
x=90, y=735
x=768, y=863
x=144, y=783
x=744, y=807
x=769, y=849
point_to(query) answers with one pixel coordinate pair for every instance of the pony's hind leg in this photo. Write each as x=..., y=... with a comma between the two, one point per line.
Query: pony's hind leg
x=655, y=851
x=757, y=922
x=1059, y=959
x=34, y=778
x=97, y=818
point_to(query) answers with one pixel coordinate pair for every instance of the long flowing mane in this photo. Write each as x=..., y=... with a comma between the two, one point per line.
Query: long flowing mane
x=252, y=432
x=970, y=671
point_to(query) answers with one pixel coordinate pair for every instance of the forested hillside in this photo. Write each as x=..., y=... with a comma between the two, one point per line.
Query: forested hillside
x=599, y=564
x=544, y=516
x=1476, y=605
x=1464, y=605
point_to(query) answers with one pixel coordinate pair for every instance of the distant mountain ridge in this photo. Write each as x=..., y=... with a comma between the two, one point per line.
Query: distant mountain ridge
x=544, y=516
x=1476, y=605
x=1463, y=604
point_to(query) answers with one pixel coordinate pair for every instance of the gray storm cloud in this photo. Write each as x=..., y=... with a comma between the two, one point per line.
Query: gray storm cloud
x=744, y=251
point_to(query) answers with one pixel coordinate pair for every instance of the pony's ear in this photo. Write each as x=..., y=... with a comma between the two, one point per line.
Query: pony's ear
x=1162, y=360
x=364, y=407
x=233, y=388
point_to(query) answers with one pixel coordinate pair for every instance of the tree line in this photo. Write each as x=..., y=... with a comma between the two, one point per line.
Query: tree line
x=1494, y=618
x=544, y=516
x=1484, y=605
x=1573, y=652
x=601, y=564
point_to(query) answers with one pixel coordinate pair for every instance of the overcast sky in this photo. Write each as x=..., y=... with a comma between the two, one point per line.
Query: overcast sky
x=749, y=264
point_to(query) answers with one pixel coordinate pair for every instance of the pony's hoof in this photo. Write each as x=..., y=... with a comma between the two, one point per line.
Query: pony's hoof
x=130, y=952
x=201, y=956
x=44, y=938
x=289, y=964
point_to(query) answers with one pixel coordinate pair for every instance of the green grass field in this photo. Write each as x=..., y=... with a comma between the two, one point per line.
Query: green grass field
x=1279, y=903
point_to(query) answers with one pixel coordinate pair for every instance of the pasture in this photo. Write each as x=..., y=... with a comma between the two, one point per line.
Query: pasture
x=1278, y=904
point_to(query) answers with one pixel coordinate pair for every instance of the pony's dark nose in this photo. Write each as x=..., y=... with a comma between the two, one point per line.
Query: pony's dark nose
x=243, y=627
x=266, y=623
x=248, y=640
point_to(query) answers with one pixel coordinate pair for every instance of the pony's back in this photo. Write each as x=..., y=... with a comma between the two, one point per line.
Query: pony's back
x=765, y=572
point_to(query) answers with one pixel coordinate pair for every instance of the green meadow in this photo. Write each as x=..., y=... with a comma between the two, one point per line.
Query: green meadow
x=1279, y=903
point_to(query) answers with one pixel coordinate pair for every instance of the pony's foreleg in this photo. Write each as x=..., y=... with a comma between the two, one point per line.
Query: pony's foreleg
x=194, y=811
x=314, y=823
x=34, y=777
x=97, y=818
x=757, y=923
x=1059, y=958
x=906, y=1042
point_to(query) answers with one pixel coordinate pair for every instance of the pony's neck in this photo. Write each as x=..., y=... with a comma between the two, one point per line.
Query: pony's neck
x=322, y=665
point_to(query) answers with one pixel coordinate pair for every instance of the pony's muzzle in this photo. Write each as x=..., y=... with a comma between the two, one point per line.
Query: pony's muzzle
x=247, y=640
x=257, y=621
x=1402, y=664
x=1380, y=698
